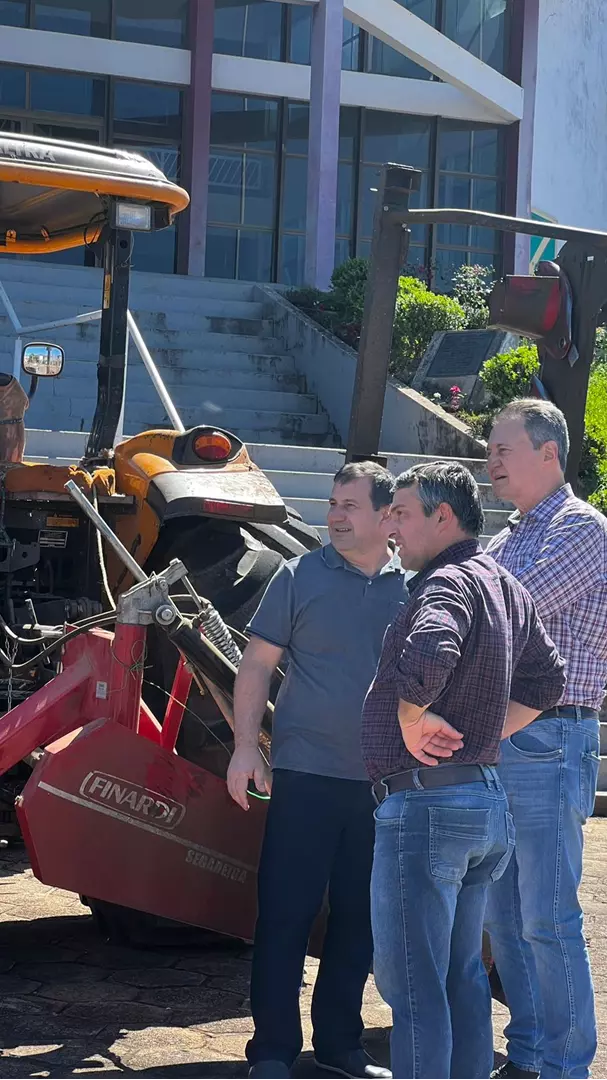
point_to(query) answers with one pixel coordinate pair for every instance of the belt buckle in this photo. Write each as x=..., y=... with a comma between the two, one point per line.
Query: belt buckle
x=383, y=783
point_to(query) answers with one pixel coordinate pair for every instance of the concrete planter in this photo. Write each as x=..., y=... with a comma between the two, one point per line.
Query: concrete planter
x=412, y=424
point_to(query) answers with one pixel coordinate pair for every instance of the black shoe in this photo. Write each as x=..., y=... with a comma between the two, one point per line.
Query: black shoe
x=268, y=1070
x=510, y=1071
x=354, y=1063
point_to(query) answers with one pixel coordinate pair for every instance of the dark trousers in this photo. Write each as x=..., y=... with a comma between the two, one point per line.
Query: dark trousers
x=319, y=833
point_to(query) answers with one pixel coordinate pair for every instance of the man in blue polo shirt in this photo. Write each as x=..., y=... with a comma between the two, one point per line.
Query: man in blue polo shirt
x=328, y=610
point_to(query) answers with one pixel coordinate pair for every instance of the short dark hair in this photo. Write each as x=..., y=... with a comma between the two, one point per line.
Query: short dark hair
x=447, y=482
x=382, y=481
x=543, y=421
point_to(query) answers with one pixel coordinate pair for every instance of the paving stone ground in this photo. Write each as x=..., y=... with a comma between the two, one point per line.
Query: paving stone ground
x=73, y=1006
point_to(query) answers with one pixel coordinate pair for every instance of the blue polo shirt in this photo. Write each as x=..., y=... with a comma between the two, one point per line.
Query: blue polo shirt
x=331, y=620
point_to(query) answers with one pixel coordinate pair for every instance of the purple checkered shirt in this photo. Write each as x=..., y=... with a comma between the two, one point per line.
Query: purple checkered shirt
x=558, y=551
x=469, y=640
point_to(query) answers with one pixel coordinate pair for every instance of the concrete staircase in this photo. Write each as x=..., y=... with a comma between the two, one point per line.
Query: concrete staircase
x=209, y=339
x=303, y=476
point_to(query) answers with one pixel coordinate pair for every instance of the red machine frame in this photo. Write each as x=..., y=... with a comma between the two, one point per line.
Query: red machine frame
x=111, y=811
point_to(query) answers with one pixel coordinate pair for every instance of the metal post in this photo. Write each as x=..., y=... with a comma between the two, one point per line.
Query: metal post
x=17, y=358
x=586, y=269
x=389, y=248
x=112, y=344
x=107, y=533
x=120, y=429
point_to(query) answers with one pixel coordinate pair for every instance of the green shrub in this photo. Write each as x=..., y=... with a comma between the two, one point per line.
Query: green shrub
x=598, y=499
x=591, y=471
x=350, y=274
x=600, y=346
x=419, y=314
x=596, y=403
x=593, y=464
x=471, y=288
x=480, y=424
x=348, y=284
x=508, y=375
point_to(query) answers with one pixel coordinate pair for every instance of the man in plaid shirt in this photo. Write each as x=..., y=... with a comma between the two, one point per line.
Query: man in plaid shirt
x=556, y=545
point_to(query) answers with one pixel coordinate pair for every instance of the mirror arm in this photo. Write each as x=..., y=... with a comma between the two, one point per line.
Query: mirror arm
x=33, y=386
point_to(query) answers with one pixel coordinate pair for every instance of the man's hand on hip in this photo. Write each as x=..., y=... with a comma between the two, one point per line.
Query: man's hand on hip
x=429, y=737
x=248, y=764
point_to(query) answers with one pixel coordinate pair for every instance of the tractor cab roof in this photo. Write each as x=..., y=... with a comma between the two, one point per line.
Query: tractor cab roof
x=56, y=195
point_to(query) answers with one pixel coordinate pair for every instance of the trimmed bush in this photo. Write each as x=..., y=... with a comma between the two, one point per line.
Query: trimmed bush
x=419, y=315
x=508, y=375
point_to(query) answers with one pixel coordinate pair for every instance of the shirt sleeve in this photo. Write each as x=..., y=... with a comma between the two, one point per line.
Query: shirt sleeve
x=439, y=625
x=569, y=564
x=274, y=618
x=538, y=679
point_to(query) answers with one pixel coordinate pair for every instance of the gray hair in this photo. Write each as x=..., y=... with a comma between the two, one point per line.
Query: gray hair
x=451, y=483
x=543, y=423
x=382, y=481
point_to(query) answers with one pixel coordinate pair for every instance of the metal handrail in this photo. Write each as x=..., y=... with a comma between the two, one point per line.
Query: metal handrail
x=91, y=316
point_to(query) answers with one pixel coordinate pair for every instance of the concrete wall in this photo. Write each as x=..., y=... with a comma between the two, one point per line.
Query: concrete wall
x=570, y=129
x=411, y=424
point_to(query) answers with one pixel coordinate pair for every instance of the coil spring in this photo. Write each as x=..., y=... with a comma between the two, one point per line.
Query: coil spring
x=217, y=632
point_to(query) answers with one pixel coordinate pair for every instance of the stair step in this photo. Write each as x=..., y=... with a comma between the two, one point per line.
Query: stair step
x=37, y=272
x=211, y=399
x=314, y=485
x=77, y=379
x=180, y=311
x=142, y=416
x=303, y=485
x=313, y=511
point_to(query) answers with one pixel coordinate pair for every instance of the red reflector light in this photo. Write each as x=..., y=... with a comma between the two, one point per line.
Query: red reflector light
x=218, y=506
x=213, y=447
x=553, y=307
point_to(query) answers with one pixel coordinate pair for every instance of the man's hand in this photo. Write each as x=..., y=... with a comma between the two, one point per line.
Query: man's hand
x=430, y=737
x=248, y=764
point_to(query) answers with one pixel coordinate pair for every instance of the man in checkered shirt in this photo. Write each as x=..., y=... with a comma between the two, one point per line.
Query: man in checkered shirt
x=556, y=545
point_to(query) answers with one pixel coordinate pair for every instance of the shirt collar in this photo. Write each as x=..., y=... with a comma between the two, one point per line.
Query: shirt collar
x=456, y=553
x=334, y=560
x=545, y=509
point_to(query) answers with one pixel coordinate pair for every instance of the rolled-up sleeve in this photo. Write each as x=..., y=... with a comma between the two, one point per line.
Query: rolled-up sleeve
x=569, y=564
x=438, y=628
x=538, y=679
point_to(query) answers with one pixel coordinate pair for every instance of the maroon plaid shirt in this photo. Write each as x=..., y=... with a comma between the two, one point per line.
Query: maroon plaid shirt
x=469, y=640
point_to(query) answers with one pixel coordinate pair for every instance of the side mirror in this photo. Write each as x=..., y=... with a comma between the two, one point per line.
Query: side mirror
x=40, y=359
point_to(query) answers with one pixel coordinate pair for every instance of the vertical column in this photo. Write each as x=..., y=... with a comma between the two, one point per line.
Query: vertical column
x=526, y=129
x=196, y=139
x=323, y=150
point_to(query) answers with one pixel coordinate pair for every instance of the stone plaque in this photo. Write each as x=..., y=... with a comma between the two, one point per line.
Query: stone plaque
x=456, y=357
x=461, y=353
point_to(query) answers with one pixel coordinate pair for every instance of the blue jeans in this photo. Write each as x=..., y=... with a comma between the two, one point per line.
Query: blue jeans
x=534, y=918
x=435, y=854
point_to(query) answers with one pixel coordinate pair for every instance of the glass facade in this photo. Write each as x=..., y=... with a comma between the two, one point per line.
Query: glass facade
x=269, y=31
x=155, y=22
x=143, y=117
x=259, y=145
x=258, y=187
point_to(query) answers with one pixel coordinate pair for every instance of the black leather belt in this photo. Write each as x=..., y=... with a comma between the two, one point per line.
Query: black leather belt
x=569, y=712
x=431, y=776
